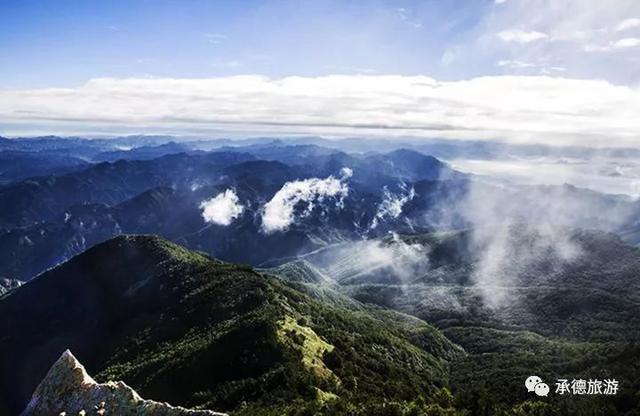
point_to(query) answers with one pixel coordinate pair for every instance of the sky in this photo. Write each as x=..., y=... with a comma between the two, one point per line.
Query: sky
x=523, y=71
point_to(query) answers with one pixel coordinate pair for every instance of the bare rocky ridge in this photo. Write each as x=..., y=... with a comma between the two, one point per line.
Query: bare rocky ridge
x=7, y=285
x=68, y=390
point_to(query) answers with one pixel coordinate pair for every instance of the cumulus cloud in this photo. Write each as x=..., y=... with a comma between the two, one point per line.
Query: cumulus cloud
x=521, y=36
x=280, y=212
x=222, y=209
x=521, y=109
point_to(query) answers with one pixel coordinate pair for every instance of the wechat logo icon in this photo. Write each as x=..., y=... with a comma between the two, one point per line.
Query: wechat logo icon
x=535, y=384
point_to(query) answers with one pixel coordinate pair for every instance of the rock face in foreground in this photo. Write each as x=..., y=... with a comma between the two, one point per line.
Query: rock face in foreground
x=9, y=284
x=68, y=390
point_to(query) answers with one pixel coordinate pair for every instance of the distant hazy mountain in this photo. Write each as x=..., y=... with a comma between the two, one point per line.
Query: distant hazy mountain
x=40, y=199
x=49, y=219
x=143, y=152
x=18, y=165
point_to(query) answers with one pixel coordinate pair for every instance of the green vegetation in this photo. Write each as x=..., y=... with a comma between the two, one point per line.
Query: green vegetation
x=577, y=321
x=311, y=346
x=183, y=328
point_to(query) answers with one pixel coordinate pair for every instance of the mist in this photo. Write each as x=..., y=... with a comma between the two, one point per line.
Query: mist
x=388, y=260
x=521, y=232
x=392, y=204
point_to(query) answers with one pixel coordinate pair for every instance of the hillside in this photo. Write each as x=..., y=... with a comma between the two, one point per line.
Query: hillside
x=438, y=277
x=181, y=327
x=558, y=319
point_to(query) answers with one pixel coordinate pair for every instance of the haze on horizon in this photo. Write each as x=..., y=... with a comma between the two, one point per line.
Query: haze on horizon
x=519, y=71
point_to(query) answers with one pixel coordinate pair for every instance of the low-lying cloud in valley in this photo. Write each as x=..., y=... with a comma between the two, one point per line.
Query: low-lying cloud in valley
x=223, y=208
x=519, y=229
x=392, y=204
x=389, y=259
x=279, y=213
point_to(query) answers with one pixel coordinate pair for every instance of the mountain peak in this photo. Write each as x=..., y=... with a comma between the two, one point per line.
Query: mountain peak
x=68, y=389
x=7, y=285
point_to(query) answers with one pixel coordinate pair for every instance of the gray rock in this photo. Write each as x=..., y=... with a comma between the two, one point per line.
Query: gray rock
x=7, y=285
x=68, y=390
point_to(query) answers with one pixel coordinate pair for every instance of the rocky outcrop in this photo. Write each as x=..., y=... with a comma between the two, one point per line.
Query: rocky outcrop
x=67, y=390
x=7, y=285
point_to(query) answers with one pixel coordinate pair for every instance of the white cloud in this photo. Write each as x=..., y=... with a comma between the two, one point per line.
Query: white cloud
x=215, y=38
x=222, y=209
x=279, y=213
x=573, y=28
x=517, y=109
x=521, y=36
x=627, y=24
x=404, y=16
x=529, y=67
x=619, y=44
x=392, y=257
x=392, y=204
x=516, y=64
x=626, y=43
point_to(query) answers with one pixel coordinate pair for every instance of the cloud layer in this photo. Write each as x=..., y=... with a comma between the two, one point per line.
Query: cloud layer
x=222, y=209
x=531, y=109
x=279, y=212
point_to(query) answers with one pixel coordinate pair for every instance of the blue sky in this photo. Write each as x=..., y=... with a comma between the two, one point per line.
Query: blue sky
x=462, y=67
x=64, y=43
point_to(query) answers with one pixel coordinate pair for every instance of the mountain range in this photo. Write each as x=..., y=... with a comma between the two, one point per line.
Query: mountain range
x=45, y=220
x=293, y=277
